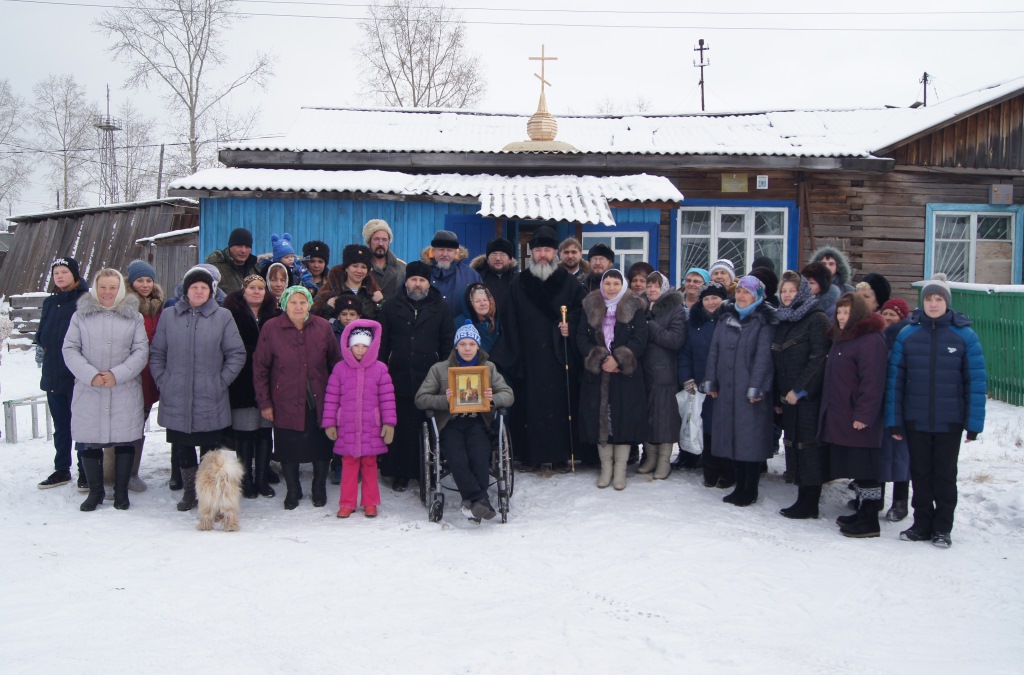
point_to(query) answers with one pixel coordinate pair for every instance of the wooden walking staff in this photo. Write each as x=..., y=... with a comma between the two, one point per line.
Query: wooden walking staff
x=568, y=393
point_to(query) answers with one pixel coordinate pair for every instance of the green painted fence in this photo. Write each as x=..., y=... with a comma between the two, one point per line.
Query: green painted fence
x=997, y=313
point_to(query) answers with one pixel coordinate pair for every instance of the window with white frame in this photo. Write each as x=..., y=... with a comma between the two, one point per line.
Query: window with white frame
x=973, y=246
x=710, y=233
x=629, y=247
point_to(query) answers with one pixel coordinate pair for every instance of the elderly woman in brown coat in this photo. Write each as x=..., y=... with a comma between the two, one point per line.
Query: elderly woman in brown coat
x=293, y=361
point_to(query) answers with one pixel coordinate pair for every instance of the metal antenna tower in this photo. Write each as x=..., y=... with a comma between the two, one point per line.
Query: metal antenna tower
x=702, y=64
x=105, y=128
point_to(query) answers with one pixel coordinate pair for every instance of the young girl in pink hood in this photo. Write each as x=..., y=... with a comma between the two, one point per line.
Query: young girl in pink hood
x=359, y=414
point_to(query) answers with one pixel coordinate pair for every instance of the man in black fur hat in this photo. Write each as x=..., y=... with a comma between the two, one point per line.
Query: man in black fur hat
x=497, y=268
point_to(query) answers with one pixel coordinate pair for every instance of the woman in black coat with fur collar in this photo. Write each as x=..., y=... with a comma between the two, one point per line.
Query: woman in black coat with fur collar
x=612, y=337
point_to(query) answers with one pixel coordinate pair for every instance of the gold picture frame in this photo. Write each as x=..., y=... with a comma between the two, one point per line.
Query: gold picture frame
x=468, y=384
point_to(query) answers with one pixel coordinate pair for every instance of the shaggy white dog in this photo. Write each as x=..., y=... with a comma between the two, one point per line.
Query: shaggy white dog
x=219, y=489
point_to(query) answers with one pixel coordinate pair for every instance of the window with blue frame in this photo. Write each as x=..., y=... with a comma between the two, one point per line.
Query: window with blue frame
x=974, y=243
x=738, y=233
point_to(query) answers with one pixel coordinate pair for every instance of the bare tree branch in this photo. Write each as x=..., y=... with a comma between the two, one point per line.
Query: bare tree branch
x=14, y=168
x=64, y=120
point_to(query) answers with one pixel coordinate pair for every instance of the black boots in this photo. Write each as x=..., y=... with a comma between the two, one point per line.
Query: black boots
x=748, y=476
x=806, y=505
x=245, y=448
x=92, y=466
x=864, y=523
x=320, y=469
x=124, y=460
x=175, y=483
x=262, y=461
x=291, y=480
x=188, y=495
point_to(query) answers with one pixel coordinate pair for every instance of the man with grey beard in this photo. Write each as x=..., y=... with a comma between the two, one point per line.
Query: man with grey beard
x=417, y=331
x=450, y=275
x=535, y=349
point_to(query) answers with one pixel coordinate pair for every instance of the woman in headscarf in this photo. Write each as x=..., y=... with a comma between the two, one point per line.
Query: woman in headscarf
x=481, y=310
x=612, y=337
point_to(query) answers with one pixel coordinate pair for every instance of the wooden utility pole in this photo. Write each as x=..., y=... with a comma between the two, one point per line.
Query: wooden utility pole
x=702, y=64
x=924, y=81
x=160, y=173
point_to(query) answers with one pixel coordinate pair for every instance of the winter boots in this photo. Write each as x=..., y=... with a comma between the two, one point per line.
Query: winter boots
x=188, y=482
x=664, y=461
x=650, y=458
x=92, y=466
x=262, y=460
x=865, y=522
x=245, y=448
x=606, y=454
x=806, y=505
x=136, y=484
x=291, y=480
x=320, y=469
x=175, y=483
x=748, y=476
x=124, y=459
x=898, y=511
x=620, y=456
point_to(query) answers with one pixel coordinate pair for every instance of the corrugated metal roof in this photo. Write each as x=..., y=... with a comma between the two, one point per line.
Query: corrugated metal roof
x=581, y=199
x=803, y=133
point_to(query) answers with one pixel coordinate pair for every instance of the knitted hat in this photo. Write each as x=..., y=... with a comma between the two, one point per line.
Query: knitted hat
x=445, y=239
x=198, y=275
x=819, y=274
x=347, y=301
x=240, y=237
x=898, y=305
x=938, y=285
x=292, y=290
x=138, y=269
x=500, y=245
x=417, y=268
x=282, y=245
x=640, y=267
x=316, y=249
x=467, y=330
x=360, y=336
x=713, y=288
x=704, y=274
x=752, y=284
x=71, y=264
x=880, y=285
x=356, y=253
x=374, y=226
x=723, y=264
x=543, y=237
x=602, y=250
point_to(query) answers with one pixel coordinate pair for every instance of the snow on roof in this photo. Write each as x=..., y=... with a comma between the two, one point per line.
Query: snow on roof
x=167, y=235
x=804, y=133
x=581, y=199
x=82, y=210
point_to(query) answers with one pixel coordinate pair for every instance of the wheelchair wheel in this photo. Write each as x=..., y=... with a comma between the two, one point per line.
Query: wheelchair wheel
x=427, y=456
x=505, y=473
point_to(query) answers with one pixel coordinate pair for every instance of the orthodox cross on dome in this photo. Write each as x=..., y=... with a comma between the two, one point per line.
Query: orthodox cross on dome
x=542, y=59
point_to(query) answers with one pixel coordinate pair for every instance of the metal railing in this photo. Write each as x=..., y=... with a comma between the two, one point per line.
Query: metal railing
x=11, y=417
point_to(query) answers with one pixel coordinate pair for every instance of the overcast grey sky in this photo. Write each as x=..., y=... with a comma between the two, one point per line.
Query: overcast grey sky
x=783, y=54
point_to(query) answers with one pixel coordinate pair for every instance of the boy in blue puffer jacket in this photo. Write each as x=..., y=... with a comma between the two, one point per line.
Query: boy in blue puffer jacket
x=936, y=388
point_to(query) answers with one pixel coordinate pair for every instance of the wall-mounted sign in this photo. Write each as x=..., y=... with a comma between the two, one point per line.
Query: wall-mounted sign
x=762, y=182
x=1000, y=193
x=734, y=182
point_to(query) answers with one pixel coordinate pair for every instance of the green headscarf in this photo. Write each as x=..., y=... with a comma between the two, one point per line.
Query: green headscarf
x=291, y=290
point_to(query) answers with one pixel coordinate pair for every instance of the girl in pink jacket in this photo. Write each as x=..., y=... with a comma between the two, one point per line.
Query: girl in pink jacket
x=359, y=414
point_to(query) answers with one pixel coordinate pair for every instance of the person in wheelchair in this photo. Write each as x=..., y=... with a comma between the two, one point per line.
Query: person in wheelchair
x=464, y=438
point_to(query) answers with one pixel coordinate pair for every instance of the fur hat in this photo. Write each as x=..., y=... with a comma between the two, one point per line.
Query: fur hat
x=602, y=250
x=898, y=305
x=347, y=301
x=240, y=237
x=360, y=336
x=445, y=239
x=316, y=249
x=467, y=330
x=282, y=245
x=704, y=274
x=769, y=279
x=544, y=237
x=500, y=245
x=763, y=261
x=819, y=274
x=356, y=253
x=938, y=285
x=198, y=275
x=71, y=264
x=138, y=269
x=723, y=264
x=639, y=267
x=880, y=285
x=417, y=268
x=374, y=226
x=713, y=288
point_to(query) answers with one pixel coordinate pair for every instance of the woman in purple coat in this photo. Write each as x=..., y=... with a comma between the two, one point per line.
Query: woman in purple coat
x=851, y=408
x=294, y=357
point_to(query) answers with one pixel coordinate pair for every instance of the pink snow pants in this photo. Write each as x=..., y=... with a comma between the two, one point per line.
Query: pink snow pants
x=351, y=468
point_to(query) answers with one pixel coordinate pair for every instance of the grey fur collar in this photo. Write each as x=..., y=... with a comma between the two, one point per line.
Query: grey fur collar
x=594, y=306
x=127, y=308
x=666, y=302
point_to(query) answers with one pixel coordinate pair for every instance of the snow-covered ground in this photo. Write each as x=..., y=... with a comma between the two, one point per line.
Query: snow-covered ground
x=660, y=578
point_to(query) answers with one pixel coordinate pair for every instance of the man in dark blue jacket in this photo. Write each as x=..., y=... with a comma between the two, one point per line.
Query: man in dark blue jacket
x=449, y=275
x=936, y=388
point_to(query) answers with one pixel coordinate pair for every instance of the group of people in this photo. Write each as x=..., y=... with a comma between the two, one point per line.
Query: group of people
x=285, y=357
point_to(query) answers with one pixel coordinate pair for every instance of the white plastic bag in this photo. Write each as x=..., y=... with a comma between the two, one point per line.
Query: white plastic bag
x=691, y=433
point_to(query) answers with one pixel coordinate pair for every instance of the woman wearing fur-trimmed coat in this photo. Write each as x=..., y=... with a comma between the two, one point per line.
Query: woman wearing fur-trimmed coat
x=612, y=337
x=666, y=333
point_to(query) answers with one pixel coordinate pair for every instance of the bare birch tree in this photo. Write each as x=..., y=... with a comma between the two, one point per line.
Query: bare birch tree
x=14, y=165
x=63, y=118
x=414, y=54
x=135, y=152
x=179, y=45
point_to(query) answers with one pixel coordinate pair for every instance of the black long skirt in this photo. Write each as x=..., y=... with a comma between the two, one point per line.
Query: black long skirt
x=309, y=445
x=201, y=439
x=849, y=462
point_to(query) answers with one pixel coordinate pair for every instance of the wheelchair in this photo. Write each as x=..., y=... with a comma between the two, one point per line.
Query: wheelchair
x=435, y=477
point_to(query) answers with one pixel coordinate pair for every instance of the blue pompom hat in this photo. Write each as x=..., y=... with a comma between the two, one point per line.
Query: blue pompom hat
x=467, y=330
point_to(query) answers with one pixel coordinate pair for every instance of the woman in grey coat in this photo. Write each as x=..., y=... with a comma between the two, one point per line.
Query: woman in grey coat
x=196, y=353
x=739, y=378
x=106, y=349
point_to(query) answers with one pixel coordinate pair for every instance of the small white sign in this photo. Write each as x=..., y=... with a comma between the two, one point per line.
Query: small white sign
x=762, y=182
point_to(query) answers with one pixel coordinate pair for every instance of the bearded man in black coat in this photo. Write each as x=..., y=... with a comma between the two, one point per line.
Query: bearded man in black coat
x=535, y=349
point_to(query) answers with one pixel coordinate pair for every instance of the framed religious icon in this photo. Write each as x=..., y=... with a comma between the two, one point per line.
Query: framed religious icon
x=468, y=384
